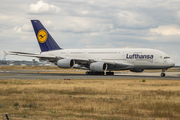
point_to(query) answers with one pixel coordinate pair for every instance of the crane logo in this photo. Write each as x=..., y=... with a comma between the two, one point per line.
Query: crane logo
x=42, y=36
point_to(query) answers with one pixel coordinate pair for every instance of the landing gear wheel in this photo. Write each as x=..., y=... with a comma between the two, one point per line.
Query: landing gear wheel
x=100, y=73
x=109, y=73
x=163, y=74
x=94, y=73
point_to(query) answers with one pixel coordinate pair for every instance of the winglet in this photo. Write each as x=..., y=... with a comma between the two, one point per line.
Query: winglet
x=46, y=42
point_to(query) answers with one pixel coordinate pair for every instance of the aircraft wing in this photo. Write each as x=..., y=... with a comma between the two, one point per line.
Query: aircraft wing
x=81, y=63
x=37, y=55
x=50, y=58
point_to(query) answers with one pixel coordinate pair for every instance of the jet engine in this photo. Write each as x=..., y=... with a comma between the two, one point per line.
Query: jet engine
x=137, y=70
x=65, y=63
x=98, y=66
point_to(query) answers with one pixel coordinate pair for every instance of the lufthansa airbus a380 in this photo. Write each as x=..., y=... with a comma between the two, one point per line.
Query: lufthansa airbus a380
x=97, y=61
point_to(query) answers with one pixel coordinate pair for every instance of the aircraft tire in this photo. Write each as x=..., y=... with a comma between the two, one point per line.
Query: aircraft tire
x=94, y=73
x=163, y=74
x=109, y=73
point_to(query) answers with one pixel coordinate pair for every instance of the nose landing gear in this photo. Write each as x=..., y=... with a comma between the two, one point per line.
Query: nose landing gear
x=163, y=74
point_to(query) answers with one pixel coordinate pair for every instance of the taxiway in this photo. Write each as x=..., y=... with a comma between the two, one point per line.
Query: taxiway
x=21, y=74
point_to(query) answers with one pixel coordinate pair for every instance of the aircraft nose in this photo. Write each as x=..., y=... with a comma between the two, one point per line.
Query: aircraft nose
x=171, y=63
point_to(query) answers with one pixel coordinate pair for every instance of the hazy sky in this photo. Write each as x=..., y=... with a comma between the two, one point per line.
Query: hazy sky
x=92, y=24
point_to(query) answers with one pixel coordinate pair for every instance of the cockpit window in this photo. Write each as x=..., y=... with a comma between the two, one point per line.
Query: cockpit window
x=166, y=57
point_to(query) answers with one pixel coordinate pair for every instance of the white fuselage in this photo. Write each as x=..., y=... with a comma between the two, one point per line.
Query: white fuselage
x=137, y=58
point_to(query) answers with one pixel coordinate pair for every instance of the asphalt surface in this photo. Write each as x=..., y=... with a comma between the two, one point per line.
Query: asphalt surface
x=21, y=74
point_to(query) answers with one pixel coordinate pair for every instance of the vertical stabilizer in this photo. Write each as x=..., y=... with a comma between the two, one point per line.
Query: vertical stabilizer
x=46, y=42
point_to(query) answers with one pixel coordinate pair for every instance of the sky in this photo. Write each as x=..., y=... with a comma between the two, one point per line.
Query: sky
x=92, y=24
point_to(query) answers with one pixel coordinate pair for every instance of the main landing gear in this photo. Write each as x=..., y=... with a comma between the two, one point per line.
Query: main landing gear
x=94, y=73
x=99, y=73
x=109, y=73
x=163, y=74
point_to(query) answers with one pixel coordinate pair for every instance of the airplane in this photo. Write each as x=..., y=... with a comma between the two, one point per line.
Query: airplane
x=97, y=61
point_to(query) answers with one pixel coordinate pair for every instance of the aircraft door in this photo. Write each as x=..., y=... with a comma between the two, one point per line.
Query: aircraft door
x=165, y=61
x=124, y=54
x=156, y=59
x=67, y=53
x=85, y=54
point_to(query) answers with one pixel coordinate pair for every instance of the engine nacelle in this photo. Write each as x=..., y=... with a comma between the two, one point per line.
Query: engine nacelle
x=98, y=66
x=65, y=63
x=137, y=70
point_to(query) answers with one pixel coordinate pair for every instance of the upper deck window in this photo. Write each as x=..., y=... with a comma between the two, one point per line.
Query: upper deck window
x=103, y=52
x=75, y=52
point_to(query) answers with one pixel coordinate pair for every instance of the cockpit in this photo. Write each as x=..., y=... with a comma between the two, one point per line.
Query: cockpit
x=166, y=57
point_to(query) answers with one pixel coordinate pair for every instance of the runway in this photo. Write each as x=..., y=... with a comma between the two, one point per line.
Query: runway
x=22, y=74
